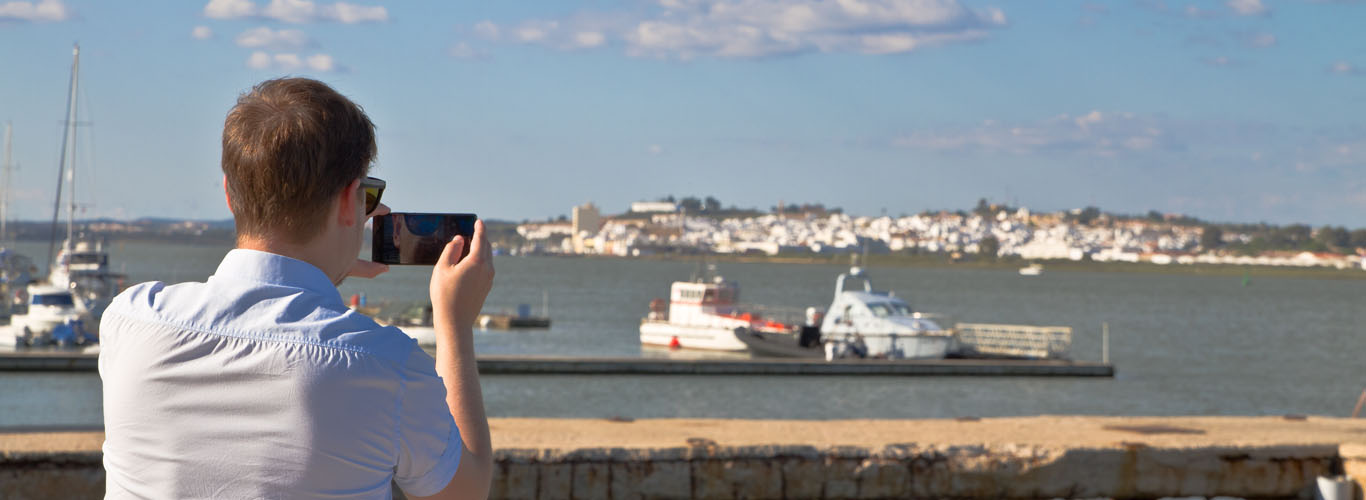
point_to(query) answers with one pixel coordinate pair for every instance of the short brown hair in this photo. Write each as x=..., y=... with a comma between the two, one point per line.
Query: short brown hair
x=289, y=146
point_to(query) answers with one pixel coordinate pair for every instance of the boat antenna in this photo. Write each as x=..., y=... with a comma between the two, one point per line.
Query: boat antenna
x=61, y=164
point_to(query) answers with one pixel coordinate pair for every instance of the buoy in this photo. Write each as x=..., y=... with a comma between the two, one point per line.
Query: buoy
x=674, y=344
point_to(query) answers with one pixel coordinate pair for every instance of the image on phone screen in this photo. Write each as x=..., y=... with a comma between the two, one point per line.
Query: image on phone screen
x=418, y=238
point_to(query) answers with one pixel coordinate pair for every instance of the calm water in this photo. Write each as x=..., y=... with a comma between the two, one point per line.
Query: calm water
x=1185, y=345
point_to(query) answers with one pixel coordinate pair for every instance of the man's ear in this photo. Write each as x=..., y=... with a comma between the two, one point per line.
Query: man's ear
x=346, y=204
x=226, y=197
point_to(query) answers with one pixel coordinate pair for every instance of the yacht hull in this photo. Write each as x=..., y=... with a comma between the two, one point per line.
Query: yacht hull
x=897, y=346
x=665, y=334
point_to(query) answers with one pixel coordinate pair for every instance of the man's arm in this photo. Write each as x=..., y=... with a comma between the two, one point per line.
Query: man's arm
x=458, y=289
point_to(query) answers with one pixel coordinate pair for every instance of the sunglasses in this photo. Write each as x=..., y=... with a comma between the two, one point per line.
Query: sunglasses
x=374, y=188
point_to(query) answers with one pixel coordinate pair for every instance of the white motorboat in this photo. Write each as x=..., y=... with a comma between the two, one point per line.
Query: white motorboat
x=52, y=318
x=1034, y=269
x=874, y=324
x=702, y=314
x=82, y=266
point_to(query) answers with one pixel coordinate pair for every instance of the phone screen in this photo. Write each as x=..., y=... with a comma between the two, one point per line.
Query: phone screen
x=413, y=238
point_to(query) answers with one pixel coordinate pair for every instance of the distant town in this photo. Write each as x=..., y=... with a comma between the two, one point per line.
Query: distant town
x=703, y=226
x=989, y=230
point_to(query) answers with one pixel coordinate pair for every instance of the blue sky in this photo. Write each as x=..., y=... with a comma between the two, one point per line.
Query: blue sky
x=1238, y=110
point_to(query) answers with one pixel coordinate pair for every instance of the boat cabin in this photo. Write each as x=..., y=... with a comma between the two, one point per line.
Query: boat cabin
x=49, y=297
x=868, y=311
x=689, y=299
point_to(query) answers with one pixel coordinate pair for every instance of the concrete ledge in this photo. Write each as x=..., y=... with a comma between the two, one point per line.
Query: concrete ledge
x=559, y=365
x=1034, y=457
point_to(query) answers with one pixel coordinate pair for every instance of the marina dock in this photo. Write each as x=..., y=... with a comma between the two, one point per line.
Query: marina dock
x=57, y=361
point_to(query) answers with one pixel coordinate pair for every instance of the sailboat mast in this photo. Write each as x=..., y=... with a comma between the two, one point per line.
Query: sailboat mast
x=71, y=179
x=61, y=164
x=4, y=189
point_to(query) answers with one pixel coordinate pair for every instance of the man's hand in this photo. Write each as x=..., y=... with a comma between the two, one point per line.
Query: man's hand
x=458, y=289
x=367, y=268
x=459, y=286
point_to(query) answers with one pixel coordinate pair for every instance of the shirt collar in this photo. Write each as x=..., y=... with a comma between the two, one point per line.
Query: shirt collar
x=275, y=269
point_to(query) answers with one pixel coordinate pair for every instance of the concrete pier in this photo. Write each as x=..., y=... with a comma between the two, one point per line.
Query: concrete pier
x=1032, y=457
x=558, y=365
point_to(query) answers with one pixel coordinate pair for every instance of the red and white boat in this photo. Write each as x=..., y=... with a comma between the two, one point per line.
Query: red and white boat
x=703, y=315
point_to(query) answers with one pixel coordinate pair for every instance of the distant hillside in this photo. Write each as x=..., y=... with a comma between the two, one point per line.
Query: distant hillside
x=211, y=232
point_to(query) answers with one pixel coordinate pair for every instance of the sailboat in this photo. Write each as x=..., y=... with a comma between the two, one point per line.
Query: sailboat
x=82, y=265
x=15, y=269
x=63, y=311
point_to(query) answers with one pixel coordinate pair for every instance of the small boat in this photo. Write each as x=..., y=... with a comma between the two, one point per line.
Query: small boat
x=702, y=314
x=82, y=266
x=416, y=322
x=859, y=324
x=805, y=342
x=512, y=321
x=52, y=319
x=1034, y=269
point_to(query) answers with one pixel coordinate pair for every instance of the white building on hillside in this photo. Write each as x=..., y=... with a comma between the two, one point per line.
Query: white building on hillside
x=650, y=207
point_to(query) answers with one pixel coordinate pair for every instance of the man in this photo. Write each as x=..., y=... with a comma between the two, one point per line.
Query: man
x=260, y=383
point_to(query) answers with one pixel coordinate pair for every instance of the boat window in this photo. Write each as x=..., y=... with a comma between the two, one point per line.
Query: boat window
x=59, y=299
x=727, y=295
x=87, y=259
x=880, y=309
x=709, y=296
x=902, y=309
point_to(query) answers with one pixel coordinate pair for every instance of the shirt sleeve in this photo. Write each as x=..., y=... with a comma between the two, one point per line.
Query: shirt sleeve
x=429, y=441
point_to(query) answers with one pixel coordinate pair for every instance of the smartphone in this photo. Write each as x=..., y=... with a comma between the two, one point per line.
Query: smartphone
x=418, y=239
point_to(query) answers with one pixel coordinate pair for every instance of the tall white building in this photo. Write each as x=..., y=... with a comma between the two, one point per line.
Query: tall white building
x=585, y=221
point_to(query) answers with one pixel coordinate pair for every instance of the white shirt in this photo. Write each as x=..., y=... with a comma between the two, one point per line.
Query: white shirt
x=260, y=383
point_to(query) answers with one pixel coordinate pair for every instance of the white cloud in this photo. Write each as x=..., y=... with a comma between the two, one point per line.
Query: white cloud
x=266, y=38
x=1247, y=7
x=1345, y=68
x=463, y=50
x=296, y=11
x=534, y=31
x=258, y=60
x=655, y=149
x=289, y=61
x=487, y=30
x=588, y=39
x=1219, y=61
x=1098, y=133
x=349, y=13
x=201, y=33
x=1258, y=40
x=229, y=9
x=684, y=29
x=321, y=62
x=43, y=11
x=291, y=11
x=1198, y=13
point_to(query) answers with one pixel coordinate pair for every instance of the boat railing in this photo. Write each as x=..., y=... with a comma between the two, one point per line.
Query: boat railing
x=1014, y=341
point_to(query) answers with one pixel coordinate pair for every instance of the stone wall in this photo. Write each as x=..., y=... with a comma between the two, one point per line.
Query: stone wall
x=704, y=470
x=905, y=471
